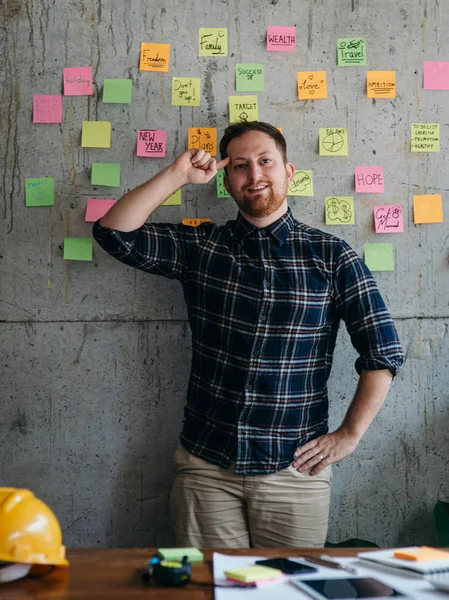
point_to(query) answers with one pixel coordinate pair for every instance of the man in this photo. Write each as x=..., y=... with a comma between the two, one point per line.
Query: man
x=265, y=295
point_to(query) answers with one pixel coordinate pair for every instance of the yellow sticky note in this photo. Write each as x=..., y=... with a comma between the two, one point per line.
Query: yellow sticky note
x=381, y=84
x=174, y=199
x=185, y=91
x=339, y=210
x=243, y=108
x=204, y=138
x=96, y=134
x=154, y=57
x=425, y=137
x=253, y=573
x=194, y=222
x=312, y=85
x=301, y=184
x=212, y=41
x=428, y=209
x=333, y=141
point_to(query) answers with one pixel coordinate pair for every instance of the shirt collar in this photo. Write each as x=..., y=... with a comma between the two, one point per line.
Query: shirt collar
x=280, y=229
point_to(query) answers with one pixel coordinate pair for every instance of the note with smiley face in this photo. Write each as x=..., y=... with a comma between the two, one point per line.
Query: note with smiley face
x=312, y=85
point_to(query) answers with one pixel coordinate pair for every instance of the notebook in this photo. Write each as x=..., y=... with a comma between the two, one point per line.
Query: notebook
x=386, y=557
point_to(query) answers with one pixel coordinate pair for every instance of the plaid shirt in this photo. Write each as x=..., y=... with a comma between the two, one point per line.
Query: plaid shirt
x=264, y=307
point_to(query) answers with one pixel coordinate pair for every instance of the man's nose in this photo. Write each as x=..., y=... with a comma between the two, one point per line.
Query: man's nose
x=255, y=171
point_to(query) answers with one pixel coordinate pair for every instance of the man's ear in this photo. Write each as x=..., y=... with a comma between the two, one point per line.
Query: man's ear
x=290, y=171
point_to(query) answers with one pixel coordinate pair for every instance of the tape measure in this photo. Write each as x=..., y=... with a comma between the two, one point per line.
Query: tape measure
x=168, y=572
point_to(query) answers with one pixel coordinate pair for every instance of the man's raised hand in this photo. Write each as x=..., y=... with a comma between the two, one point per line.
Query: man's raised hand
x=197, y=166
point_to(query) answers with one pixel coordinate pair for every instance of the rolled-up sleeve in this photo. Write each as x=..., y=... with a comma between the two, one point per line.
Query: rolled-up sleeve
x=360, y=305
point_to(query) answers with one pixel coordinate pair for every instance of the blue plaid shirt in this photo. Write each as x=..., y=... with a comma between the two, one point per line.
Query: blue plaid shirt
x=264, y=307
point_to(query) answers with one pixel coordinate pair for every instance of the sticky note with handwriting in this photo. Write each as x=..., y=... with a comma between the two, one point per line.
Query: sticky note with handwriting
x=78, y=249
x=333, y=141
x=154, y=57
x=243, y=108
x=425, y=137
x=381, y=84
x=212, y=41
x=151, y=143
x=301, y=184
x=351, y=52
x=96, y=134
x=77, y=81
x=388, y=219
x=221, y=190
x=281, y=39
x=47, y=108
x=436, y=75
x=39, y=191
x=249, y=77
x=339, y=210
x=185, y=91
x=204, y=138
x=311, y=85
x=428, y=209
x=173, y=200
x=97, y=208
x=369, y=180
x=117, y=91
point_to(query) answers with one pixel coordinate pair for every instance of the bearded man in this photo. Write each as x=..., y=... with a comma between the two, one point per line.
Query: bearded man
x=265, y=295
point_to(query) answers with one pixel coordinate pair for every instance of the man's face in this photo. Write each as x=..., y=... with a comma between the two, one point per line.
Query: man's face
x=257, y=177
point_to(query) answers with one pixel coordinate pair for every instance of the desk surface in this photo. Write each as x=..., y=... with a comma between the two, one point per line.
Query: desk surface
x=115, y=573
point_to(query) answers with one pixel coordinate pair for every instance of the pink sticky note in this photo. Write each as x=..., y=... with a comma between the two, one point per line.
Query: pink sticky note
x=97, y=208
x=369, y=180
x=281, y=39
x=436, y=76
x=77, y=81
x=388, y=219
x=47, y=108
x=151, y=143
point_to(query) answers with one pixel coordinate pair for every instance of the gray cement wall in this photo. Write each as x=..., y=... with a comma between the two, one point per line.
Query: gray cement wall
x=95, y=356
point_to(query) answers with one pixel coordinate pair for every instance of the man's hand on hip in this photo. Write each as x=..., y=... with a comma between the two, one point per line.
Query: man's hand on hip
x=323, y=451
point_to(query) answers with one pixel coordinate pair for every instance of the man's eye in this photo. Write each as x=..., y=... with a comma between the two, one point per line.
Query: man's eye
x=266, y=160
x=240, y=166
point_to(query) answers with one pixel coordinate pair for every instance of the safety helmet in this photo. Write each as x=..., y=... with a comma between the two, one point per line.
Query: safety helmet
x=29, y=530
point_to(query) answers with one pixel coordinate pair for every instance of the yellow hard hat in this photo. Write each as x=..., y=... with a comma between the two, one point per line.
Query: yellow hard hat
x=29, y=530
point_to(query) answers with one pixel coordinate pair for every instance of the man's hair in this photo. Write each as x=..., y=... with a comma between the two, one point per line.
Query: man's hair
x=237, y=129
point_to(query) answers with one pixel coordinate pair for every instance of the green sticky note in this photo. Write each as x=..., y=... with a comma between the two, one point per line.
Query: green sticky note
x=379, y=257
x=249, y=77
x=351, y=52
x=243, y=108
x=78, y=248
x=221, y=190
x=118, y=91
x=301, y=184
x=193, y=554
x=425, y=137
x=339, y=210
x=105, y=174
x=96, y=134
x=185, y=91
x=39, y=191
x=333, y=141
x=212, y=41
x=174, y=199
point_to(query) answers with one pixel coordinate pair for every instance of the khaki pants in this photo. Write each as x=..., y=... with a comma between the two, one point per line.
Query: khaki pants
x=212, y=507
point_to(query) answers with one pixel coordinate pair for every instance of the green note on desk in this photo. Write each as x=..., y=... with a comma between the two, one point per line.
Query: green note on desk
x=193, y=554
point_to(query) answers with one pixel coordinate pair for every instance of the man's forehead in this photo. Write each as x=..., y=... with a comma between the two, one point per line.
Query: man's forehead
x=253, y=142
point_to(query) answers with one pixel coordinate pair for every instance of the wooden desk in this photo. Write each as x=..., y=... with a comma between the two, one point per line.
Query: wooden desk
x=115, y=574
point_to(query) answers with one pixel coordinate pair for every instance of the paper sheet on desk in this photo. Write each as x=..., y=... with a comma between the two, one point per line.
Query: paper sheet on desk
x=412, y=586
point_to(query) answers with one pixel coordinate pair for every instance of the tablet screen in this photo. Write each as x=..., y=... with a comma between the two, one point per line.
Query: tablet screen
x=346, y=589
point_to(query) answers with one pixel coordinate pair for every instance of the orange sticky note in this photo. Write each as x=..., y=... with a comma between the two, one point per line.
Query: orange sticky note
x=428, y=209
x=422, y=553
x=381, y=84
x=312, y=85
x=194, y=222
x=204, y=138
x=154, y=57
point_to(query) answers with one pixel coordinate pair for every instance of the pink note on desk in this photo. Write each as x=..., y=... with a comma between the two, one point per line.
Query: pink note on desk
x=47, y=108
x=436, y=76
x=97, y=208
x=281, y=39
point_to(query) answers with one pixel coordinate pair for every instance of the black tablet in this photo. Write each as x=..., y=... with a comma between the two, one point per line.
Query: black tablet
x=346, y=589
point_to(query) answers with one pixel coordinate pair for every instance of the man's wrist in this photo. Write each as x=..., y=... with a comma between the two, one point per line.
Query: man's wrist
x=176, y=177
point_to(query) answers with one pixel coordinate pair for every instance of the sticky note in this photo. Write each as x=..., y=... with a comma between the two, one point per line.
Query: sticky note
x=422, y=553
x=369, y=180
x=39, y=191
x=96, y=134
x=311, y=85
x=249, y=77
x=281, y=39
x=185, y=91
x=351, y=52
x=204, y=138
x=388, y=219
x=333, y=141
x=243, y=108
x=253, y=573
x=77, y=81
x=78, y=249
x=436, y=75
x=339, y=210
x=174, y=199
x=221, y=190
x=381, y=84
x=47, y=108
x=194, y=222
x=97, y=208
x=193, y=554
x=425, y=137
x=379, y=257
x=151, y=143
x=301, y=184
x=154, y=57
x=212, y=41
x=117, y=91
x=428, y=209
x=105, y=174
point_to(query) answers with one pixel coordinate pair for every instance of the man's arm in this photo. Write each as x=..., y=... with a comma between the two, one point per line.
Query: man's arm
x=371, y=392
x=135, y=207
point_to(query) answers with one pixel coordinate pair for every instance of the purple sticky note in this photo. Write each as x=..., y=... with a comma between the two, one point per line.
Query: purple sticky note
x=97, y=208
x=47, y=108
x=388, y=219
x=151, y=143
x=436, y=76
x=77, y=81
x=369, y=180
x=281, y=39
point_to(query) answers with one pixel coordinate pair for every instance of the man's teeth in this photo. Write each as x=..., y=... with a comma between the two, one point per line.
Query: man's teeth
x=259, y=187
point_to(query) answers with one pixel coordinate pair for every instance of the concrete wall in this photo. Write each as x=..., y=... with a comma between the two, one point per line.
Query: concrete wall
x=95, y=356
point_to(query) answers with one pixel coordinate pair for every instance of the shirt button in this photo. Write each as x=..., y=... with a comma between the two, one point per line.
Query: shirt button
x=258, y=353
x=267, y=284
x=263, y=318
x=263, y=232
x=249, y=387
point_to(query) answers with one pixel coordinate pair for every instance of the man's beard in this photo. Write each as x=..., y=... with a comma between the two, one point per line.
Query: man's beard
x=262, y=208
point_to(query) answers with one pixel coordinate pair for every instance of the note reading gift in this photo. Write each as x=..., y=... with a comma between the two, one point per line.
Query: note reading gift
x=388, y=219
x=185, y=91
x=312, y=85
x=381, y=84
x=212, y=41
x=333, y=141
x=243, y=109
x=151, y=143
x=154, y=57
x=281, y=39
x=77, y=81
x=369, y=180
x=47, y=108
